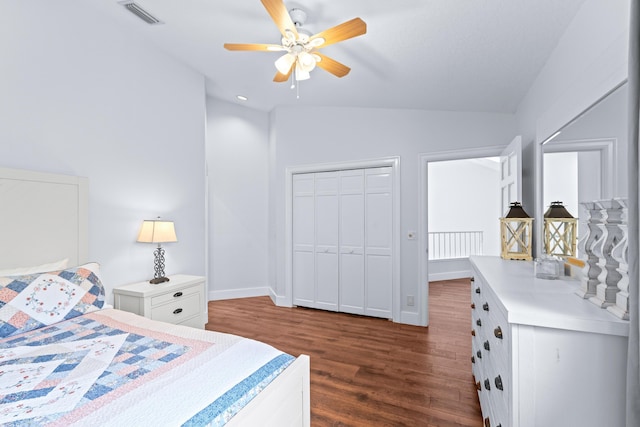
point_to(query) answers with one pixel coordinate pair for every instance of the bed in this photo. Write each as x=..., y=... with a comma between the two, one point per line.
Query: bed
x=66, y=358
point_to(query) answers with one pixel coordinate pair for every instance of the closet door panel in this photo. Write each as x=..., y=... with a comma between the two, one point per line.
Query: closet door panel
x=379, y=291
x=379, y=241
x=303, y=274
x=327, y=217
x=352, y=241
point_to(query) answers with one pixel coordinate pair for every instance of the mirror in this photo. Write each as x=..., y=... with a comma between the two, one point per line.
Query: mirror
x=587, y=159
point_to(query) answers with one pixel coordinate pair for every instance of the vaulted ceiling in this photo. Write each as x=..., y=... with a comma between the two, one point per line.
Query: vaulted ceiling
x=456, y=55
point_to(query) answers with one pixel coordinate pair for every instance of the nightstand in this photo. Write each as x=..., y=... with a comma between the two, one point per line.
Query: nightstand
x=181, y=300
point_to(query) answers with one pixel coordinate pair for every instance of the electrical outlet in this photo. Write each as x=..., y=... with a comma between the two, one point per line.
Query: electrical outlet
x=410, y=301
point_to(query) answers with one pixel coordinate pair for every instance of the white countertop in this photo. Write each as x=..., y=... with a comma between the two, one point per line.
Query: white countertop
x=546, y=303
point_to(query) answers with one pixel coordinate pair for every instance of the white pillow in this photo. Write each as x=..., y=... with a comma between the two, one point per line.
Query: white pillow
x=51, y=266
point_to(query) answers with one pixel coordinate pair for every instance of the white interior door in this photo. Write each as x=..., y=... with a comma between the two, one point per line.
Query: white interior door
x=511, y=174
x=303, y=234
x=379, y=242
x=326, y=242
x=352, y=241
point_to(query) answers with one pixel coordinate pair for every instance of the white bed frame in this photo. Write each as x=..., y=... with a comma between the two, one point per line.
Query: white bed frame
x=44, y=218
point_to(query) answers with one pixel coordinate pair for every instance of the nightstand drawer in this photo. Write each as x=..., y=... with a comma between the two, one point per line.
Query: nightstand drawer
x=175, y=295
x=181, y=300
x=179, y=310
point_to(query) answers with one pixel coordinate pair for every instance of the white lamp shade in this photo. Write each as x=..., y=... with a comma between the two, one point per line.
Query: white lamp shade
x=301, y=73
x=284, y=63
x=156, y=231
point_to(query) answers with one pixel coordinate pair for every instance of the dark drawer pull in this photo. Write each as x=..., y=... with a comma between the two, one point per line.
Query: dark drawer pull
x=498, y=382
x=486, y=345
x=478, y=386
x=498, y=332
x=473, y=279
x=177, y=294
x=479, y=354
x=477, y=290
x=485, y=306
x=473, y=332
x=487, y=384
x=487, y=423
x=479, y=322
x=473, y=305
x=473, y=359
x=177, y=311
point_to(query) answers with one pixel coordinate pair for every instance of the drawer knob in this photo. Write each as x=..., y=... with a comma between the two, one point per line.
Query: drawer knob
x=177, y=294
x=473, y=332
x=486, y=345
x=473, y=305
x=479, y=354
x=487, y=384
x=479, y=322
x=498, y=382
x=485, y=306
x=177, y=311
x=478, y=386
x=487, y=422
x=498, y=332
x=473, y=359
x=477, y=290
x=473, y=279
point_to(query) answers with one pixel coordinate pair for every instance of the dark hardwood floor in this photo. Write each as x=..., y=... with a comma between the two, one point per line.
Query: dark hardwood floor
x=372, y=372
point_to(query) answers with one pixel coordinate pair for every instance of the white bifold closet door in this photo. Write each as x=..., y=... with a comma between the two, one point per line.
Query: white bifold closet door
x=342, y=241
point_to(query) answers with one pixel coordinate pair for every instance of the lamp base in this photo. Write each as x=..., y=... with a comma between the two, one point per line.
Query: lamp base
x=158, y=280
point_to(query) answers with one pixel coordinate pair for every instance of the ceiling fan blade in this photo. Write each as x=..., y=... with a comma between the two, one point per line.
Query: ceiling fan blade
x=280, y=16
x=331, y=65
x=254, y=46
x=353, y=28
x=281, y=78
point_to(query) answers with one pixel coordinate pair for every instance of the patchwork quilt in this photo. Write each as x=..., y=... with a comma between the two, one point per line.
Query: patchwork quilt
x=114, y=368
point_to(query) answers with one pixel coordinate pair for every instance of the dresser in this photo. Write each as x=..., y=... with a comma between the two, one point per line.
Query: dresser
x=181, y=300
x=541, y=355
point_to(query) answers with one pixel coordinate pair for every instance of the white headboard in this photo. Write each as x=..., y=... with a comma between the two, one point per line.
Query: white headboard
x=43, y=218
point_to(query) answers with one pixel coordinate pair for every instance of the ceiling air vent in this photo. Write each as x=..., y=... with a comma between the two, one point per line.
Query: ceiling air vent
x=137, y=10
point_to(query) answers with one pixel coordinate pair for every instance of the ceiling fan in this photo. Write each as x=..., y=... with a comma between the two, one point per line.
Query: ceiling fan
x=301, y=55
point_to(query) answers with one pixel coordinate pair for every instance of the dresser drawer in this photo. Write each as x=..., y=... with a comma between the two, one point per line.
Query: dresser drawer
x=175, y=295
x=179, y=310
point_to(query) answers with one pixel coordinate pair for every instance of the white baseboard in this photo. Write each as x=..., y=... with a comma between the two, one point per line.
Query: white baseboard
x=239, y=293
x=450, y=275
x=278, y=300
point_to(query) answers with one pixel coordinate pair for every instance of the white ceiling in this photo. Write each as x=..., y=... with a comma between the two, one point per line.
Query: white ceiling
x=457, y=55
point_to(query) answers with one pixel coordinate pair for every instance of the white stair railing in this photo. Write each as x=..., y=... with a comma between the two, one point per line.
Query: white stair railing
x=454, y=244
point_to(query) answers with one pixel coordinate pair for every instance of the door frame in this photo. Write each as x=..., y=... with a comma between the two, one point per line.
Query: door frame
x=423, y=222
x=394, y=163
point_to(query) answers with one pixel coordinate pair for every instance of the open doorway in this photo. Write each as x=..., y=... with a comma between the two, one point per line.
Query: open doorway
x=463, y=207
x=508, y=187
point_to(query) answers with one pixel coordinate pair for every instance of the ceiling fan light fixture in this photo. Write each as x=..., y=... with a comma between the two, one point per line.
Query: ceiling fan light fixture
x=307, y=61
x=301, y=73
x=285, y=62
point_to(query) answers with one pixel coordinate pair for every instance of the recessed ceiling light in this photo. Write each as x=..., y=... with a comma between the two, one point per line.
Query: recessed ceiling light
x=242, y=97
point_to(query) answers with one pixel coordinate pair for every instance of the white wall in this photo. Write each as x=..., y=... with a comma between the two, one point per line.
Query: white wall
x=590, y=60
x=82, y=96
x=238, y=162
x=305, y=136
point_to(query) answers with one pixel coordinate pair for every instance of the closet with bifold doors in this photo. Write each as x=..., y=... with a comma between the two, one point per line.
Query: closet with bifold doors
x=343, y=240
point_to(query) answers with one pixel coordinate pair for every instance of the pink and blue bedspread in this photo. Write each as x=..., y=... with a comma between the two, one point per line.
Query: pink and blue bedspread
x=113, y=368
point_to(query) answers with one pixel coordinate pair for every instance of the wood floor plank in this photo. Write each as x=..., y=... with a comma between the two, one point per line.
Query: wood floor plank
x=372, y=372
